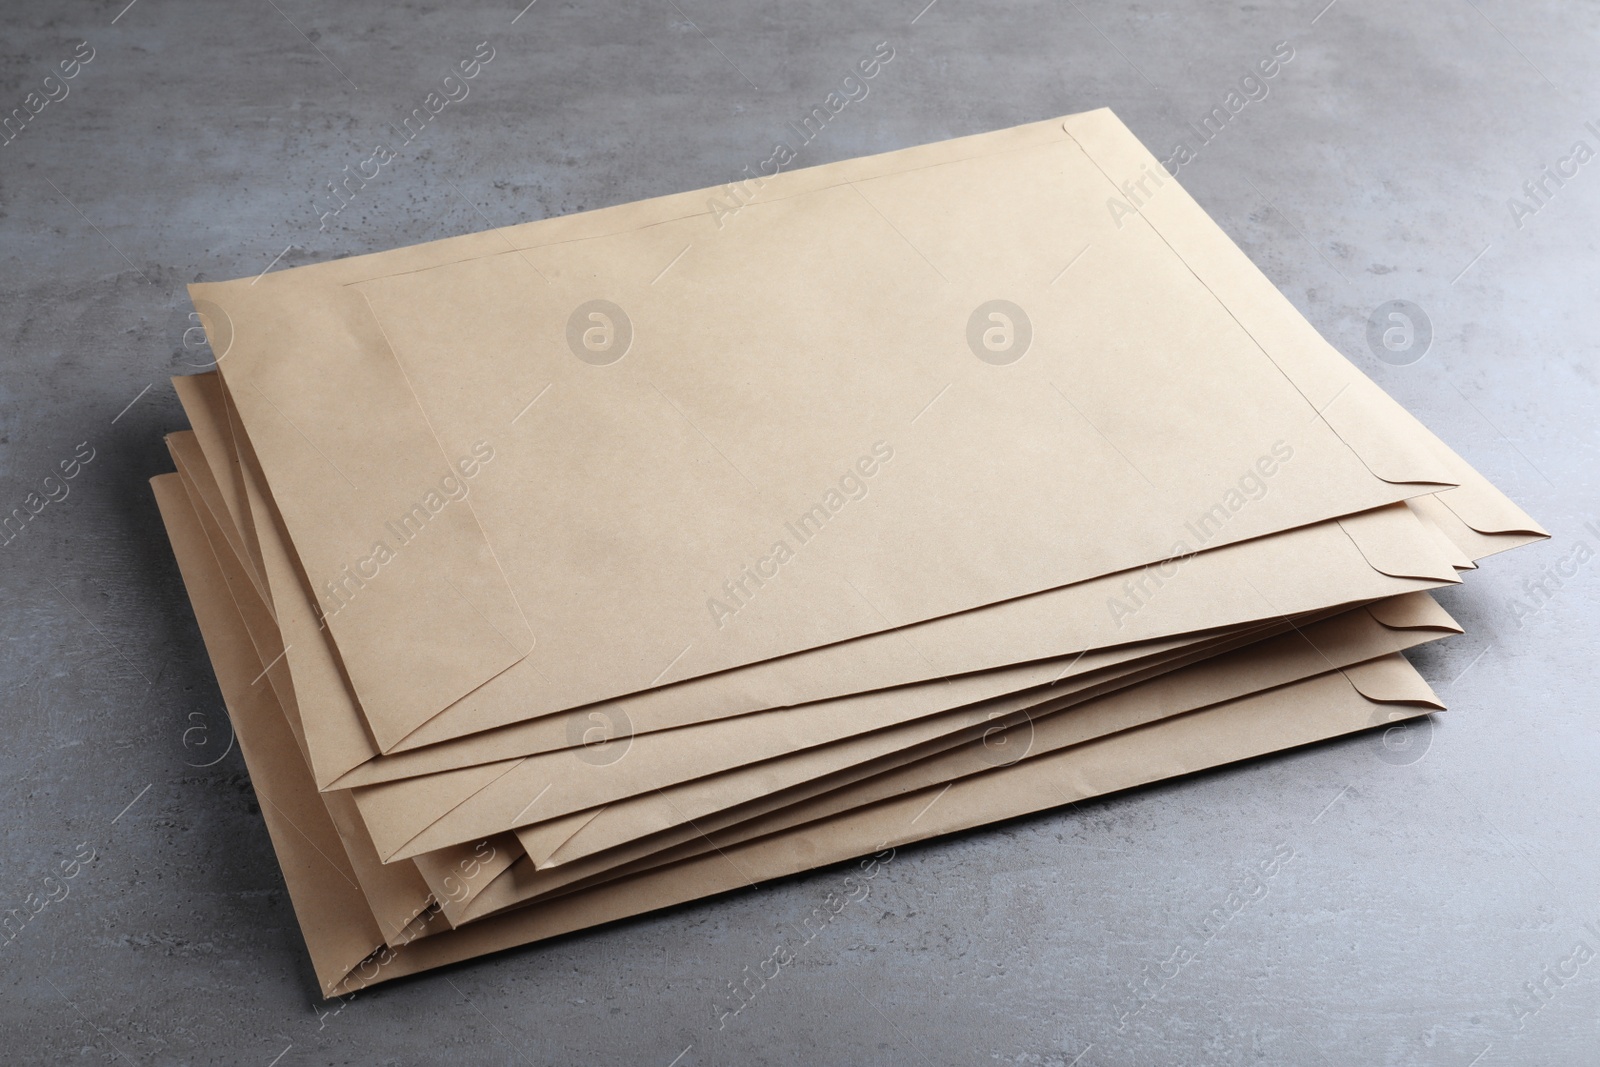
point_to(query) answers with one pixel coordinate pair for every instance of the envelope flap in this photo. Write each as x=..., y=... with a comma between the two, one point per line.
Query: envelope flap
x=1397, y=544
x=1413, y=611
x=1475, y=544
x=1487, y=510
x=543, y=840
x=1391, y=680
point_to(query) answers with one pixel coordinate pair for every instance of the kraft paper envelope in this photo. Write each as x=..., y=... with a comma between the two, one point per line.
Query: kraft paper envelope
x=454, y=875
x=321, y=672
x=612, y=813
x=420, y=814
x=313, y=663
x=753, y=349
x=1383, y=682
x=1310, y=648
x=1343, y=405
x=1319, y=709
x=330, y=907
x=423, y=282
x=447, y=879
x=679, y=803
x=1473, y=520
x=691, y=811
x=785, y=750
x=555, y=833
x=519, y=805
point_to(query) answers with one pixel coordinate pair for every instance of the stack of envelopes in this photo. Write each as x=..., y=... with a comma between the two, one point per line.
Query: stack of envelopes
x=563, y=572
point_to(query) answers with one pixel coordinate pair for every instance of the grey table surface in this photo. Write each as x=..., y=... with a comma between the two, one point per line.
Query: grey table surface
x=1441, y=906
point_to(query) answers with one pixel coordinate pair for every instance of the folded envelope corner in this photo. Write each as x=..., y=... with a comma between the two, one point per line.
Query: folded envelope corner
x=1392, y=680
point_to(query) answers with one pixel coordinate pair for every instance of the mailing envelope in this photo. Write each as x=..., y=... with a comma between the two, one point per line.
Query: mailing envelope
x=1140, y=404
x=1348, y=431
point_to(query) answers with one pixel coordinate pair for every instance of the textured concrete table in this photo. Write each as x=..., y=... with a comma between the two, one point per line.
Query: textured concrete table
x=1440, y=906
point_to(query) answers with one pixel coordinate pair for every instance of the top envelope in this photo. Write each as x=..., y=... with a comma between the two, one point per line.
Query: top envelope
x=660, y=441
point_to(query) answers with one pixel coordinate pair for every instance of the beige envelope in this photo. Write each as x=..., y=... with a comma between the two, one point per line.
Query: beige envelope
x=688, y=772
x=520, y=806
x=1474, y=520
x=330, y=907
x=753, y=350
x=693, y=809
x=1493, y=512
x=454, y=875
x=870, y=752
x=458, y=893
